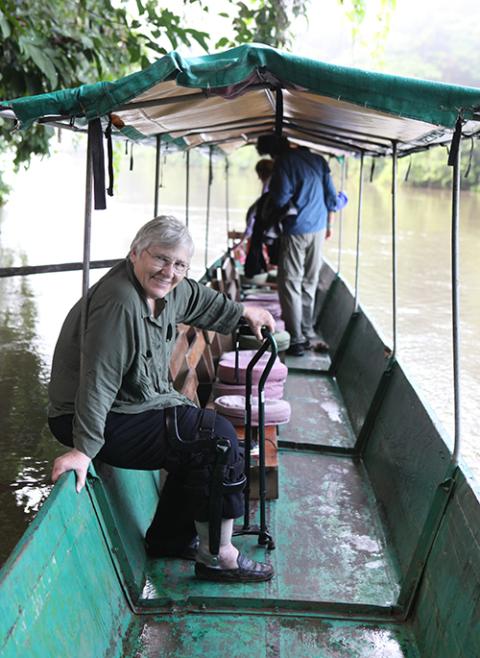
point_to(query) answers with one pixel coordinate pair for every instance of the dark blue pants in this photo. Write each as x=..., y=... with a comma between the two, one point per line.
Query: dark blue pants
x=138, y=441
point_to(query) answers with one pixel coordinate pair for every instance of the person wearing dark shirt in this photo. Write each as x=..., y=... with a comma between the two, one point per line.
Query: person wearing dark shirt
x=300, y=178
x=110, y=394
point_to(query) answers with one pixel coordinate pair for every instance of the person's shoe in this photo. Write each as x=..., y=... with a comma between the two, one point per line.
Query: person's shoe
x=321, y=346
x=186, y=552
x=297, y=349
x=248, y=571
x=315, y=345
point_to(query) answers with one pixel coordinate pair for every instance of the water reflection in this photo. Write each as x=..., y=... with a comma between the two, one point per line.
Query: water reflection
x=27, y=446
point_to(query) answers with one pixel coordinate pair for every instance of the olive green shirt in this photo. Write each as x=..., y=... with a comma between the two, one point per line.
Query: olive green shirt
x=126, y=351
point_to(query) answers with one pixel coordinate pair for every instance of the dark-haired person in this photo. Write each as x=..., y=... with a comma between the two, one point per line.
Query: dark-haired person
x=303, y=179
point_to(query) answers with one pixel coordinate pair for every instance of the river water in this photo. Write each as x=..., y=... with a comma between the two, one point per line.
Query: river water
x=43, y=223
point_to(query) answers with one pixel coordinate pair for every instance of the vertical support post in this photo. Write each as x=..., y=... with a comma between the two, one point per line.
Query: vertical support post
x=187, y=188
x=455, y=294
x=394, y=246
x=87, y=236
x=209, y=191
x=340, y=216
x=445, y=489
x=359, y=227
x=227, y=197
x=157, y=174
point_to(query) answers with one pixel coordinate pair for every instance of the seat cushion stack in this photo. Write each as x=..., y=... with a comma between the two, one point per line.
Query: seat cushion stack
x=277, y=412
x=229, y=394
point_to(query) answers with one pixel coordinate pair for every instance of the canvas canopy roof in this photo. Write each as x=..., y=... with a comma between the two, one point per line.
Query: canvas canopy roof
x=229, y=98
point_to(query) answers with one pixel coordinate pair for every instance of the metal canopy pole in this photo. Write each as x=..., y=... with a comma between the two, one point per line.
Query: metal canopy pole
x=227, y=197
x=209, y=189
x=445, y=489
x=187, y=187
x=359, y=226
x=340, y=217
x=87, y=236
x=157, y=174
x=455, y=301
x=394, y=246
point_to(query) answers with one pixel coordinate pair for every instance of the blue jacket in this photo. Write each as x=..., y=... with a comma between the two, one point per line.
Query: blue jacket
x=303, y=178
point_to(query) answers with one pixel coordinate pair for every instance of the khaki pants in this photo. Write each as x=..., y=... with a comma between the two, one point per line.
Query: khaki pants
x=299, y=264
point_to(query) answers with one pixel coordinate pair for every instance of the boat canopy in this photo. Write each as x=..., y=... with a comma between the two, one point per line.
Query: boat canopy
x=229, y=98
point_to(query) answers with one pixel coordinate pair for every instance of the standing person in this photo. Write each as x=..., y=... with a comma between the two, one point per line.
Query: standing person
x=112, y=398
x=243, y=249
x=257, y=253
x=303, y=179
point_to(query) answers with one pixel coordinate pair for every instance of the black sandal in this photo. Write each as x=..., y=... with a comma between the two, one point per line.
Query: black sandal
x=248, y=571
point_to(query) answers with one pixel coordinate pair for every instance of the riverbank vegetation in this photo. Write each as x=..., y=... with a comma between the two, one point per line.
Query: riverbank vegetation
x=66, y=43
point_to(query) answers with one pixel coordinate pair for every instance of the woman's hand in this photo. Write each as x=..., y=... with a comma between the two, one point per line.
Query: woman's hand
x=257, y=318
x=73, y=460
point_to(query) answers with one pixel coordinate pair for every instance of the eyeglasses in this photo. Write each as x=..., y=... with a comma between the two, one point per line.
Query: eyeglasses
x=179, y=266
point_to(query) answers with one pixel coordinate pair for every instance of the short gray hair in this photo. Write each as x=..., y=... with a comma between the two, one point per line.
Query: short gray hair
x=164, y=230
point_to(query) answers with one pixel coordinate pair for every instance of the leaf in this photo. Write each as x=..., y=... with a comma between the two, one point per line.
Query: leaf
x=4, y=26
x=221, y=43
x=44, y=63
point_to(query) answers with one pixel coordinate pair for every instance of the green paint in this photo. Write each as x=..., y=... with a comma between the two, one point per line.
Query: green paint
x=240, y=637
x=60, y=595
x=79, y=582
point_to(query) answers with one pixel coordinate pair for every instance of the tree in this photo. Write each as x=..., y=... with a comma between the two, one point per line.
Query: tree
x=66, y=43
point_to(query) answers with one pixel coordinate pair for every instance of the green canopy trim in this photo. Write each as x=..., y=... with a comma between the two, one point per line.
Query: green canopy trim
x=228, y=96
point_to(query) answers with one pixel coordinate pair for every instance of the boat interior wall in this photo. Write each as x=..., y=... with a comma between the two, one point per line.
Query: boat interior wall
x=327, y=275
x=446, y=618
x=406, y=459
x=360, y=367
x=117, y=492
x=61, y=558
x=335, y=313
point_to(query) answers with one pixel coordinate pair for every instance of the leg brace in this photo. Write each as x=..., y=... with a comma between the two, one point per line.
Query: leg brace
x=218, y=449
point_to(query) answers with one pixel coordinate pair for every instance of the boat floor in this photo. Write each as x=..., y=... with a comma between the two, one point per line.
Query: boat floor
x=218, y=636
x=336, y=580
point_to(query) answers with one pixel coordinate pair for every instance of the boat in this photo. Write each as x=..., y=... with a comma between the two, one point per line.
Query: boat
x=375, y=521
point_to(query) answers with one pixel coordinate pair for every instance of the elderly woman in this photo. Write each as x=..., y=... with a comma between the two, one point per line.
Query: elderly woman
x=113, y=402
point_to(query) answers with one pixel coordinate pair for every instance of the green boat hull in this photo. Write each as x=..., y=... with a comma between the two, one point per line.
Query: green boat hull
x=377, y=537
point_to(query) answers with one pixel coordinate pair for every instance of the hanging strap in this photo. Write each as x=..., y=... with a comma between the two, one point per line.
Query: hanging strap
x=108, y=137
x=457, y=135
x=278, y=112
x=131, y=157
x=96, y=136
x=407, y=173
x=470, y=157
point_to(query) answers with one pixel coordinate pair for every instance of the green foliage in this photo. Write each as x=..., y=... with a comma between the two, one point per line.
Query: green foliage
x=66, y=43
x=50, y=45
x=430, y=168
x=263, y=21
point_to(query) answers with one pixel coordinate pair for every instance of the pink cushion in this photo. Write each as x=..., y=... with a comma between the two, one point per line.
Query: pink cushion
x=226, y=368
x=271, y=296
x=277, y=412
x=271, y=306
x=273, y=390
